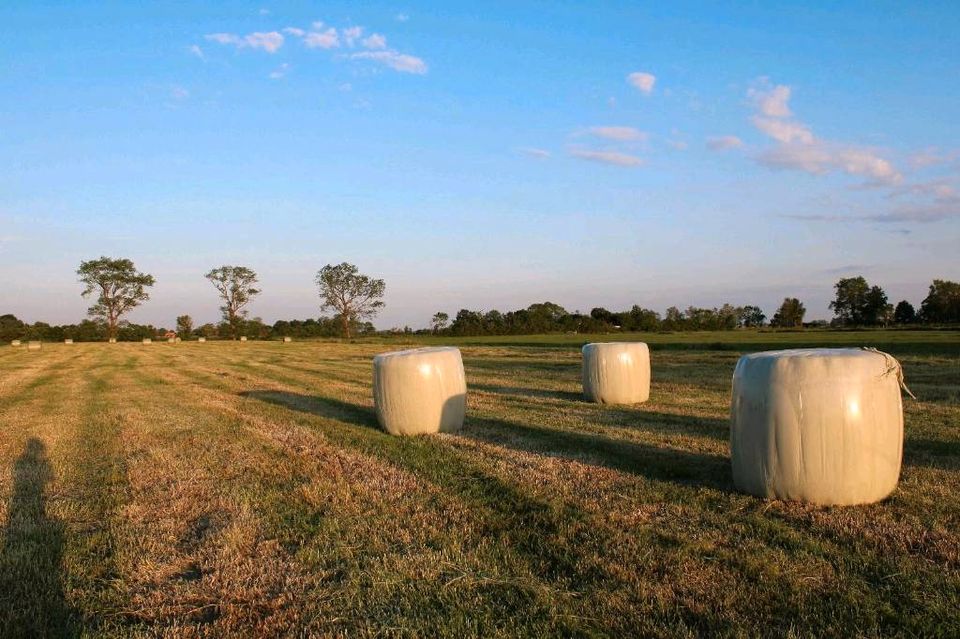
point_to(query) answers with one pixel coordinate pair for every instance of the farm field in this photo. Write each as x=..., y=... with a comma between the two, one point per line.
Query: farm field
x=223, y=488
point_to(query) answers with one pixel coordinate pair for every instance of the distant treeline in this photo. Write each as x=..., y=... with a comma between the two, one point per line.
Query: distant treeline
x=856, y=303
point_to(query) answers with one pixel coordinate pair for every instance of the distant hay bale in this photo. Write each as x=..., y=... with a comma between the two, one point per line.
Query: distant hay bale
x=15, y=342
x=34, y=346
x=201, y=340
x=147, y=340
x=287, y=340
x=243, y=338
x=420, y=391
x=113, y=340
x=68, y=341
x=171, y=340
x=616, y=372
x=823, y=426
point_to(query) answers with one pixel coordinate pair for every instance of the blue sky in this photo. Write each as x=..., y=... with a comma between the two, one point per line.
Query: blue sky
x=479, y=155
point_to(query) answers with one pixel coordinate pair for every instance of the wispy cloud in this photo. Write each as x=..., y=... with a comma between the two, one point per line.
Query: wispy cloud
x=619, y=133
x=269, y=41
x=540, y=154
x=294, y=31
x=375, y=41
x=401, y=17
x=280, y=71
x=642, y=81
x=724, y=142
x=194, y=49
x=401, y=62
x=607, y=157
x=799, y=149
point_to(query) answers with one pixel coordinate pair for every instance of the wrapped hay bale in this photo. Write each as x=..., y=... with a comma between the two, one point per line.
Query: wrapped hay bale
x=616, y=372
x=171, y=340
x=34, y=346
x=15, y=342
x=243, y=338
x=420, y=391
x=68, y=341
x=823, y=426
x=287, y=340
x=201, y=340
x=113, y=340
x=147, y=340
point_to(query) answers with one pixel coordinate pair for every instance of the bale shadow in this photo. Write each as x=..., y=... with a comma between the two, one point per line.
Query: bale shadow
x=32, y=602
x=519, y=391
x=652, y=462
x=931, y=453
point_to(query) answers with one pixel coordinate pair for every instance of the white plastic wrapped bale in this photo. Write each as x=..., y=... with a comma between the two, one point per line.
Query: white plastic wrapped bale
x=243, y=338
x=616, y=372
x=201, y=340
x=68, y=341
x=287, y=340
x=34, y=346
x=15, y=342
x=147, y=340
x=420, y=391
x=113, y=340
x=823, y=426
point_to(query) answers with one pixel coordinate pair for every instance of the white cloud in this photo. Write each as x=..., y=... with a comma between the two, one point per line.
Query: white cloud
x=799, y=149
x=401, y=17
x=270, y=41
x=724, y=142
x=317, y=25
x=280, y=71
x=351, y=35
x=375, y=41
x=620, y=133
x=607, y=157
x=540, y=154
x=771, y=101
x=295, y=32
x=322, y=39
x=195, y=49
x=396, y=61
x=642, y=81
x=786, y=131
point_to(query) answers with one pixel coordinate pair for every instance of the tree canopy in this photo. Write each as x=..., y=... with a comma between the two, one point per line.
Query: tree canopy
x=352, y=295
x=235, y=284
x=119, y=287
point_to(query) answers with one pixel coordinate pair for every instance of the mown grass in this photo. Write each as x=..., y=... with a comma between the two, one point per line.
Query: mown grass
x=225, y=489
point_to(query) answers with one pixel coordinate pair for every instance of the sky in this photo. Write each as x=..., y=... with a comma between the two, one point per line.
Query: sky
x=479, y=155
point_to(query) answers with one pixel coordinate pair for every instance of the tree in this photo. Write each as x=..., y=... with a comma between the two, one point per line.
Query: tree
x=119, y=286
x=877, y=310
x=184, y=326
x=904, y=313
x=235, y=286
x=751, y=317
x=439, y=321
x=942, y=304
x=354, y=296
x=859, y=304
x=790, y=314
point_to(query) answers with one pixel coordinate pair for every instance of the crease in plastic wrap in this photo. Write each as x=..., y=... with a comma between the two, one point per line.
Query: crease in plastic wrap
x=420, y=391
x=616, y=372
x=823, y=426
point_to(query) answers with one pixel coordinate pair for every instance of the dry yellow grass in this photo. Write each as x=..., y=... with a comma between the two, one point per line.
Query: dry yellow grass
x=208, y=490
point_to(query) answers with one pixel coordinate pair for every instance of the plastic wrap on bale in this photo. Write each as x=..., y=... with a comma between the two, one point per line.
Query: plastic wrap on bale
x=420, y=391
x=823, y=426
x=616, y=372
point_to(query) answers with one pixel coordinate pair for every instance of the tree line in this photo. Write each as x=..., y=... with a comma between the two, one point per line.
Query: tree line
x=117, y=287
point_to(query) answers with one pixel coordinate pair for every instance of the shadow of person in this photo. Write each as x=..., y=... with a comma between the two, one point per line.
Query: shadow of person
x=31, y=594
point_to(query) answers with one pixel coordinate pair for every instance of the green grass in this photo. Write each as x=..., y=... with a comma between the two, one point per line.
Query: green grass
x=222, y=489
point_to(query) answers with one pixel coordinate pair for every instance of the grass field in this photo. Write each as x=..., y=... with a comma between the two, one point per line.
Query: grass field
x=221, y=489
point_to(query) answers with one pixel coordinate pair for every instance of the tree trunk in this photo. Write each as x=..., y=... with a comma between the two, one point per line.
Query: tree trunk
x=345, y=318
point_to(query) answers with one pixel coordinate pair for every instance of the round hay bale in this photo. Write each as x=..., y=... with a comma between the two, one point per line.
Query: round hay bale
x=34, y=346
x=823, y=426
x=15, y=342
x=113, y=340
x=68, y=341
x=201, y=340
x=616, y=372
x=147, y=340
x=287, y=340
x=420, y=391
x=243, y=338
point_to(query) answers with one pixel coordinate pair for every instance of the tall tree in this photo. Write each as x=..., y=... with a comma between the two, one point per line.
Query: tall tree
x=850, y=303
x=790, y=314
x=904, y=313
x=751, y=316
x=119, y=286
x=353, y=295
x=942, y=304
x=439, y=321
x=235, y=284
x=184, y=326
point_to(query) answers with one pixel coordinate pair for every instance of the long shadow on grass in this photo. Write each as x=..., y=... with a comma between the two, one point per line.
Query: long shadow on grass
x=32, y=601
x=931, y=453
x=558, y=540
x=645, y=460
